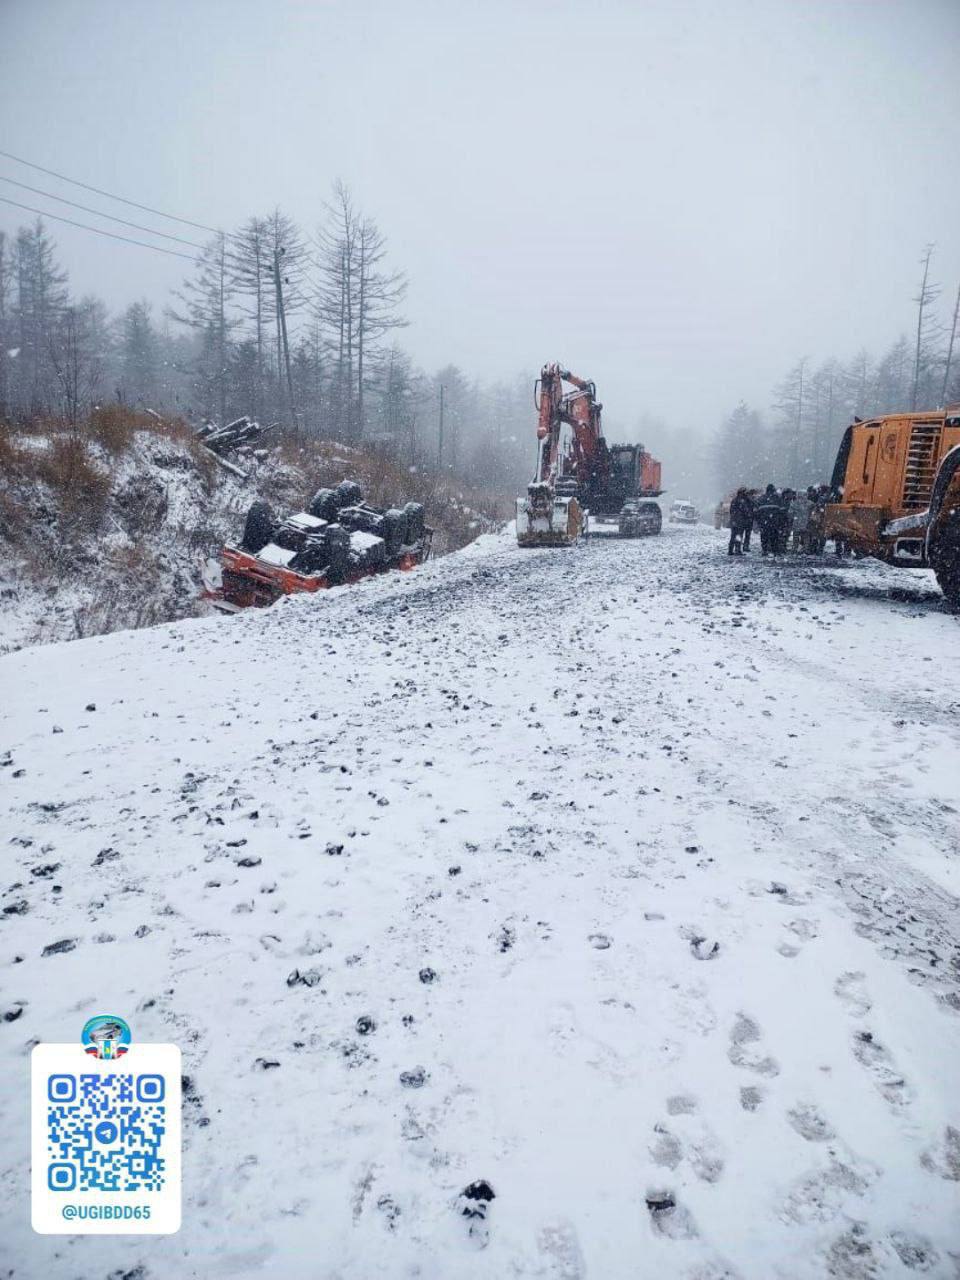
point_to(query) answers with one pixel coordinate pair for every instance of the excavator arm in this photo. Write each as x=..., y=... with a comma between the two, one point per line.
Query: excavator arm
x=576, y=472
x=583, y=454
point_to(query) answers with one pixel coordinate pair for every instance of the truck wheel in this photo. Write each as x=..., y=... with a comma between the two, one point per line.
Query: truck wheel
x=945, y=558
x=259, y=528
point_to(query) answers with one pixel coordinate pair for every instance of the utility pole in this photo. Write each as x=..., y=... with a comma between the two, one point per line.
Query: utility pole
x=282, y=317
x=440, y=437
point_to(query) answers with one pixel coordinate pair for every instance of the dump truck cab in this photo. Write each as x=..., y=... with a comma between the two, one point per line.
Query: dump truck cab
x=896, y=483
x=632, y=474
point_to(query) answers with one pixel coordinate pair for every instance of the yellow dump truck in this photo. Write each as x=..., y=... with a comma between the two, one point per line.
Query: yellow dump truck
x=897, y=487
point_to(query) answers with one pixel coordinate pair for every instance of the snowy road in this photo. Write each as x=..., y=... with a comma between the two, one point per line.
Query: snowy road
x=638, y=866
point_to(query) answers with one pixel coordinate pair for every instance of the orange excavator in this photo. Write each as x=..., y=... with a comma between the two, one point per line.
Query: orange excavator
x=578, y=474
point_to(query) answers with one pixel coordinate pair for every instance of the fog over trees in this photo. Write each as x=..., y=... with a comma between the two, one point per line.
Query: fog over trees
x=796, y=441
x=305, y=328
x=289, y=326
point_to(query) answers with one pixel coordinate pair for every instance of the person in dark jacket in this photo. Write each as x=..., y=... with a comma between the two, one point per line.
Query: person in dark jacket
x=741, y=522
x=754, y=496
x=783, y=522
x=769, y=514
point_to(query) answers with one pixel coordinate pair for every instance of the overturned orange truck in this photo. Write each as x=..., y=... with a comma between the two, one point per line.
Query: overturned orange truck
x=897, y=482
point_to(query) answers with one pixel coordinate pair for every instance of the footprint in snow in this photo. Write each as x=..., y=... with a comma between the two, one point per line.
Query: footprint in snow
x=914, y=1251
x=666, y=1150
x=944, y=1159
x=800, y=931
x=750, y=1097
x=560, y=1249
x=473, y=1204
x=745, y=1031
x=852, y=1255
x=698, y=1146
x=825, y=1193
x=667, y=1217
x=704, y=948
x=681, y=1104
x=851, y=990
x=877, y=1059
x=390, y=1210
x=809, y=1123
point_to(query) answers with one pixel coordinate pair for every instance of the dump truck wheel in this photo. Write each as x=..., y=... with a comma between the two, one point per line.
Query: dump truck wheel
x=259, y=527
x=945, y=558
x=324, y=505
x=349, y=493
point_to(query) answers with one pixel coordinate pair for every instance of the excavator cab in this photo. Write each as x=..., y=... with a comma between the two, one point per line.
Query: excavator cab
x=631, y=474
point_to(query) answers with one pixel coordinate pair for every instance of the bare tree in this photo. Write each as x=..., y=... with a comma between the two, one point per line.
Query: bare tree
x=927, y=295
x=358, y=302
x=336, y=244
x=949, y=356
x=6, y=276
x=205, y=300
x=380, y=294
x=251, y=274
x=77, y=356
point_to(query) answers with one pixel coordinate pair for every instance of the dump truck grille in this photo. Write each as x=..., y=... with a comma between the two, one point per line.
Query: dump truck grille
x=921, y=465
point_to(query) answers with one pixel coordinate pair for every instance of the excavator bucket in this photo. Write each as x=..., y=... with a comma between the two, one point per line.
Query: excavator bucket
x=546, y=520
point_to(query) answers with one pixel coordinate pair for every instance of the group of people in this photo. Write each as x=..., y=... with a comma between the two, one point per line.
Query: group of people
x=784, y=518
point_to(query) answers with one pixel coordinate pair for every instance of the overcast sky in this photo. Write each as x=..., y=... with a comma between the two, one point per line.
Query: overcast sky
x=675, y=198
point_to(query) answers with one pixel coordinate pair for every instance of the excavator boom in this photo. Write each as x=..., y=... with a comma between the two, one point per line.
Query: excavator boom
x=577, y=473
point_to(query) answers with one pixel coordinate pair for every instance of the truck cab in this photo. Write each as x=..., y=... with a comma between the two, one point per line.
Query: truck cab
x=884, y=473
x=896, y=483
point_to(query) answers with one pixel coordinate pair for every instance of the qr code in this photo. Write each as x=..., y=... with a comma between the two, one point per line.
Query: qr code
x=105, y=1132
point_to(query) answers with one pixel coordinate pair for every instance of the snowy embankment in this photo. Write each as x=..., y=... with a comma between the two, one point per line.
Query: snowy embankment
x=623, y=877
x=96, y=539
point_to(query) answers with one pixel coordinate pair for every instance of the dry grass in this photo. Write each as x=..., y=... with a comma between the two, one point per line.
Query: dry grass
x=57, y=484
x=113, y=426
x=82, y=486
x=9, y=453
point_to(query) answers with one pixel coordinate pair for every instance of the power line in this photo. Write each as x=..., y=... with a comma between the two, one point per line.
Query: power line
x=200, y=226
x=98, y=213
x=171, y=253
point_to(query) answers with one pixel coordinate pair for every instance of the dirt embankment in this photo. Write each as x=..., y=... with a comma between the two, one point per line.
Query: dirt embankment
x=108, y=525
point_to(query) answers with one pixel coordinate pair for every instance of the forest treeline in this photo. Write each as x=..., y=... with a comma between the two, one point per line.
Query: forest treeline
x=796, y=443
x=303, y=328
x=288, y=326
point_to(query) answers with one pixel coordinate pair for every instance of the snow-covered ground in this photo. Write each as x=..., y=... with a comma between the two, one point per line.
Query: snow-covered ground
x=618, y=876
